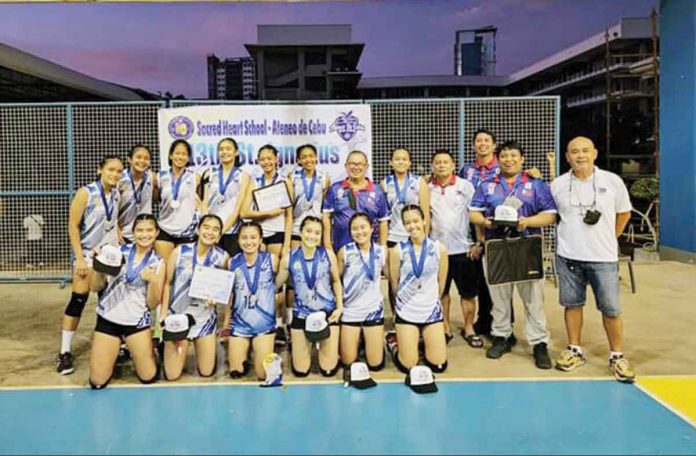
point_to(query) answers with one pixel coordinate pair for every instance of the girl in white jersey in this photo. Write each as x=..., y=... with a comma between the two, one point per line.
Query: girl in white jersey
x=92, y=223
x=418, y=271
x=308, y=187
x=137, y=186
x=226, y=185
x=314, y=272
x=179, y=202
x=253, y=308
x=276, y=223
x=361, y=264
x=402, y=188
x=180, y=266
x=124, y=308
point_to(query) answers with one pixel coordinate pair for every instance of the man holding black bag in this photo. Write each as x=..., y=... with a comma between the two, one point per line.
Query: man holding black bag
x=594, y=208
x=512, y=204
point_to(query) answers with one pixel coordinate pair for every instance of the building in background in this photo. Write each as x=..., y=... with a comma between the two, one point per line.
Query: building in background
x=27, y=78
x=306, y=62
x=474, y=52
x=607, y=89
x=231, y=78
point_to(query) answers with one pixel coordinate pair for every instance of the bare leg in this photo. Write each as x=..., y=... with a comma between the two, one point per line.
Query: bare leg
x=614, y=329
x=263, y=346
x=349, y=341
x=328, y=350
x=140, y=346
x=573, y=321
x=103, y=357
x=407, y=338
x=374, y=345
x=175, y=358
x=435, y=345
x=206, y=356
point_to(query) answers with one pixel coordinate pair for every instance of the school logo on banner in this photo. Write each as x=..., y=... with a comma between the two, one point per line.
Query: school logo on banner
x=181, y=127
x=346, y=125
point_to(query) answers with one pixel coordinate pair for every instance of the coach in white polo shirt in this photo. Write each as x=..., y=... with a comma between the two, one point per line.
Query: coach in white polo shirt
x=594, y=208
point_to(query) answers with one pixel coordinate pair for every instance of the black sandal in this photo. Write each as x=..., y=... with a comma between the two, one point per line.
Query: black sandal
x=473, y=340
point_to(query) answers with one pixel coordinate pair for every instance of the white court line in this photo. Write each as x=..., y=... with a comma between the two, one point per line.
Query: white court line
x=666, y=405
x=186, y=384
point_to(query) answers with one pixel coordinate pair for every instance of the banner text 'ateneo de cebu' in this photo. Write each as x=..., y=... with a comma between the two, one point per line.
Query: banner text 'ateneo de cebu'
x=334, y=130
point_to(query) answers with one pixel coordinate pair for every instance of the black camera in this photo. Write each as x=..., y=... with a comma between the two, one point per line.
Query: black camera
x=592, y=217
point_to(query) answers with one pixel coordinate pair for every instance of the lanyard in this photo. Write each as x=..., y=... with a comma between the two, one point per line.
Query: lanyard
x=176, y=184
x=368, y=267
x=137, y=192
x=131, y=273
x=521, y=179
x=252, y=284
x=310, y=278
x=223, y=185
x=420, y=264
x=401, y=193
x=309, y=192
x=107, y=210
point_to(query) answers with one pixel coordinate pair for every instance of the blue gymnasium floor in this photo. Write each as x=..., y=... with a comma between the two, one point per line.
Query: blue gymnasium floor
x=521, y=417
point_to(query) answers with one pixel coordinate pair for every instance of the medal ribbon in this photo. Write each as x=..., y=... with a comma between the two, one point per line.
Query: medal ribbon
x=401, y=193
x=309, y=192
x=369, y=268
x=107, y=210
x=137, y=192
x=311, y=279
x=206, y=261
x=223, y=185
x=176, y=184
x=419, y=265
x=132, y=274
x=252, y=285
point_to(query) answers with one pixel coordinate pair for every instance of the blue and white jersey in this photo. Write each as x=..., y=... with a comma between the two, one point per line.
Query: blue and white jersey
x=181, y=220
x=319, y=297
x=398, y=196
x=253, y=314
x=222, y=204
x=124, y=301
x=180, y=302
x=136, y=199
x=418, y=299
x=477, y=173
x=308, y=196
x=273, y=225
x=362, y=294
x=95, y=229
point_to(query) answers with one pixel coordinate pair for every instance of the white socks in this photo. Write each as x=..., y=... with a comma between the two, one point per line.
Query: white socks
x=66, y=341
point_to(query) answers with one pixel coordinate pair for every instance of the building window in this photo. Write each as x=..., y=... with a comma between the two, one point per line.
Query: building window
x=315, y=84
x=315, y=56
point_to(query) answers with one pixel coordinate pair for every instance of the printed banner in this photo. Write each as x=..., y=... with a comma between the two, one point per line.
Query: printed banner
x=334, y=130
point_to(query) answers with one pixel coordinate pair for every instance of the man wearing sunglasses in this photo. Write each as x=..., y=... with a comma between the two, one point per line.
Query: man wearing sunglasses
x=594, y=208
x=356, y=193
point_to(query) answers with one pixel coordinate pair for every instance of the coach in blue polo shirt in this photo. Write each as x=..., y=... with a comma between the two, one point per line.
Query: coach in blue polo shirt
x=535, y=208
x=354, y=194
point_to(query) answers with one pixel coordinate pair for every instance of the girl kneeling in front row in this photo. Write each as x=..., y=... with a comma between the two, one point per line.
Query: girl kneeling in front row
x=314, y=272
x=124, y=308
x=180, y=266
x=253, y=312
x=361, y=264
x=418, y=271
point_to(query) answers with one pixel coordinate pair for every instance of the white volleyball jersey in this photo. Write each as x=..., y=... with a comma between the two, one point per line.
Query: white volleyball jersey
x=362, y=294
x=178, y=221
x=124, y=301
x=180, y=302
x=407, y=193
x=449, y=214
x=136, y=199
x=253, y=314
x=418, y=298
x=95, y=229
x=310, y=298
x=308, y=196
x=273, y=225
x=219, y=203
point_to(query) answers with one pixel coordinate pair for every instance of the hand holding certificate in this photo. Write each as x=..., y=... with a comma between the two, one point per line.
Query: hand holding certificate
x=211, y=284
x=272, y=197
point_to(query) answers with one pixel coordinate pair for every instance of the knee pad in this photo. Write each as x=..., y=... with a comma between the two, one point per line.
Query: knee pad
x=153, y=379
x=376, y=368
x=76, y=304
x=299, y=374
x=330, y=373
x=398, y=364
x=235, y=373
x=436, y=368
x=98, y=387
